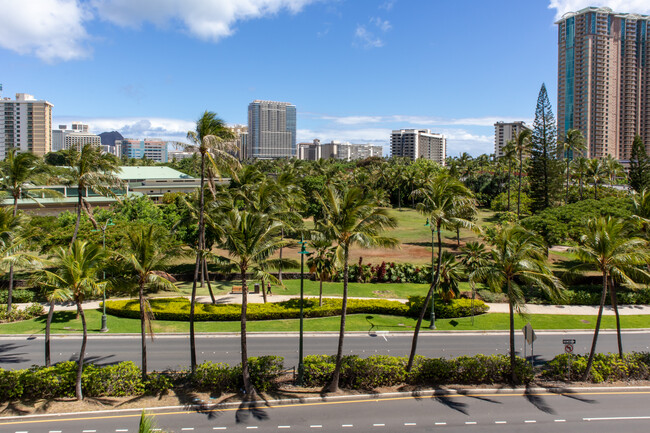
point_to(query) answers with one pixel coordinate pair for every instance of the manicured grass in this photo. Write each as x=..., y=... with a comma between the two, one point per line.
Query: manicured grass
x=66, y=323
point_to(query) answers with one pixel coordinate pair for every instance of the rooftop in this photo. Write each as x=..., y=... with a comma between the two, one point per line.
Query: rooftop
x=129, y=173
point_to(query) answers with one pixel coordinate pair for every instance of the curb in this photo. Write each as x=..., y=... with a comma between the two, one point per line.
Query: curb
x=463, y=392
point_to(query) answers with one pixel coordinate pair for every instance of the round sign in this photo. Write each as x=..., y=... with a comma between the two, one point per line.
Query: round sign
x=568, y=348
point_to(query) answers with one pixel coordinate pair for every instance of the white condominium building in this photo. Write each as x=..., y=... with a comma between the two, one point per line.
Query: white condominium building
x=418, y=143
x=26, y=124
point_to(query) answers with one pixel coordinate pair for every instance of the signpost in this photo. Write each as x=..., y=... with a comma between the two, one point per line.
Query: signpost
x=529, y=335
x=568, y=349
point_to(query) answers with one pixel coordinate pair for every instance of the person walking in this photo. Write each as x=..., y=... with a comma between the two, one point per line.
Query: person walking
x=268, y=290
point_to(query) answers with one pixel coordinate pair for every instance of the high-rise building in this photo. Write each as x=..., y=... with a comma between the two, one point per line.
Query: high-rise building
x=604, y=79
x=337, y=150
x=418, y=143
x=64, y=138
x=271, y=130
x=150, y=148
x=25, y=124
x=504, y=132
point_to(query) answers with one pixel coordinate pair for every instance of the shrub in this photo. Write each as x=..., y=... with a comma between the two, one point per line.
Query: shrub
x=446, y=310
x=116, y=380
x=21, y=296
x=158, y=384
x=16, y=314
x=265, y=372
x=214, y=377
x=318, y=370
x=10, y=386
x=49, y=382
x=606, y=367
x=218, y=377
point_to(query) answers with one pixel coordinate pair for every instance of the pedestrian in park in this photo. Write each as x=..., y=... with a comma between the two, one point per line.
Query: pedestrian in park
x=268, y=289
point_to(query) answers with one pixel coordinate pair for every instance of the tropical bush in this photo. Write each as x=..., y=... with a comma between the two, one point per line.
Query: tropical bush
x=446, y=310
x=15, y=314
x=18, y=296
x=606, y=367
x=387, y=273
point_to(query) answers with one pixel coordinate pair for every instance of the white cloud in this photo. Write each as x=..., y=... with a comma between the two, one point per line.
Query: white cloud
x=49, y=29
x=388, y=5
x=383, y=25
x=136, y=127
x=629, y=6
x=206, y=19
x=366, y=38
x=419, y=120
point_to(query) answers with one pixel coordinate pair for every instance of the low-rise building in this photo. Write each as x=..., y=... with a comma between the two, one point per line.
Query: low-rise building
x=150, y=148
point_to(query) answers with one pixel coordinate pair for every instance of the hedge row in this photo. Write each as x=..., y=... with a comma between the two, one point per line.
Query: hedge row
x=381, y=371
x=179, y=309
x=606, y=367
x=15, y=314
x=19, y=296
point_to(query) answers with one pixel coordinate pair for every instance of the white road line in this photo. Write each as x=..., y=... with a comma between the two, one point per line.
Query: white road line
x=441, y=423
x=122, y=430
x=284, y=426
x=187, y=429
x=501, y=422
x=22, y=432
x=410, y=423
x=219, y=428
x=55, y=431
x=470, y=422
x=615, y=418
x=346, y=425
x=251, y=427
x=530, y=421
x=316, y=426
x=560, y=420
x=89, y=431
x=379, y=425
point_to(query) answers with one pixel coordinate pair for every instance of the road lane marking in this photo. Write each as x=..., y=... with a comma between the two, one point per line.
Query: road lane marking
x=616, y=418
x=501, y=422
x=441, y=423
x=89, y=431
x=187, y=429
x=560, y=420
x=219, y=428
x=410, y=423
x=379, y=425
x=251, y=427
x=122, y=430
x=530, y=421
x=470, y=422
x=346, y=425
x=316, y=426
x=284, y=426
x=55, y=431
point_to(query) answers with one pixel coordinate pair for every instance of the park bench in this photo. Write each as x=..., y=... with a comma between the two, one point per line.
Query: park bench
x=236, y=290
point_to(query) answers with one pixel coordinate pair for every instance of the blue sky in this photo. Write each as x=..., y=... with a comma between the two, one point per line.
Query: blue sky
x=355, y=69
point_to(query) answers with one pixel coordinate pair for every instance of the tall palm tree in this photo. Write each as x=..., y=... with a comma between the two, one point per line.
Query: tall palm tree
x=441, y=200
x=608, y=247
x=612, y=169
x=91, y=169
x=452, y=272
x=53, y=295
x=572, y=143
x=292, y=198
x=510, y=157
x=11, y=225
x=596, y=173
x=474, y=256
x=518, y=258
x=351, y=217
x=250, y=238
x=144, y=257
x=210, y=138
x=522, y=145
x=580, y=168
x=322, y=261
x=77, y=269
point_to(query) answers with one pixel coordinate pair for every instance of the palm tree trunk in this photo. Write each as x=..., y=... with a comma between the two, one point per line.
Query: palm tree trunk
x=596, y=190
x=279, y=264
x=10, y=291
x=82, y=353
x=263, y=290
x=580, y=187
x=458, y=236
x=207, y=279
x=509, y=171
x=512, y=340
x=48, y=324
x=473, y=298
x=248, y=389
x=425, y=306
x=334, y=385
x=521, y=167
x=143, y=332
x=592, y=352
x=320, y=293
x=567, y=182
x=614, y=301
x=76, y=224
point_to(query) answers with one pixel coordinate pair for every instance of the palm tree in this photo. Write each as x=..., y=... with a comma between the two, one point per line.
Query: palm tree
x=148, y=424
x=518, y=258
x=291, y=198
x=77, y=269
x=572, y=143
x=53, y=294
x=452, y=272
x=11, y=225
x=442, y=199
x=580, y=168
x=322, y=261
x=250, y=238
x=595, y=172
x=612, y=169
x=608, y=247
x=209, y=137
x=350, y=217
x=522, y=145
x=144, y=258
x=474, y=256
x=91, y=169
x=510, y=156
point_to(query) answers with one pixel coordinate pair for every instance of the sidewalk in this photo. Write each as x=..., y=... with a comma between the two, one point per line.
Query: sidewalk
x=587, y=310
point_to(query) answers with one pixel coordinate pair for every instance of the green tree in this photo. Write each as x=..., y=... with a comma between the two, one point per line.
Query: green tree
x=596, y=173
x=518, y=259
x=639, y=173
x=545, y=169
x=53, y=294
x=441, y=199
x=510, y=155
x=452, y=272
x=210, y=138
x=522, y=146
x=144, y=257
x=572, y=144
x=351, y=217
x=322, y=259
x=77, y=269
x=580, y=169
x=474, y=256
x=91, y=169
x=609, y=248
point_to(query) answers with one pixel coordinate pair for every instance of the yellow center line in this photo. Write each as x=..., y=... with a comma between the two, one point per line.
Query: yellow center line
x=322, y=403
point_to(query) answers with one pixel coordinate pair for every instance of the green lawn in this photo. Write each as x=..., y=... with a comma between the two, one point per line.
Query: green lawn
x=66, y=323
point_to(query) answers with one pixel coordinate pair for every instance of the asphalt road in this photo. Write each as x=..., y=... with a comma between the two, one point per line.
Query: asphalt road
x=584, y=411
x=172, y=352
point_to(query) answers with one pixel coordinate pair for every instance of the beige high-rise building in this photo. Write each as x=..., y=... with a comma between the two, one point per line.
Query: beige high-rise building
x=604, y=79
x=26, y=124
x=504, y=132
x=418, y=143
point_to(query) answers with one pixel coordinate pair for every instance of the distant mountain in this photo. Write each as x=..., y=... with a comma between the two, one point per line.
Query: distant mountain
x=108, y=138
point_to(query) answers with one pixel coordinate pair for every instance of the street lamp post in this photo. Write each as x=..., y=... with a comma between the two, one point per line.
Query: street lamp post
x=109, y=222
x=433, y=292
x=301, y=366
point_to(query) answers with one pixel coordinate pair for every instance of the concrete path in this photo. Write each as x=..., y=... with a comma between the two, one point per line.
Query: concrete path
x=494, y=308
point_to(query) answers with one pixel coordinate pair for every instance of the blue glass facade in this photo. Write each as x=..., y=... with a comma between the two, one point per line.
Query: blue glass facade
x=569, y=73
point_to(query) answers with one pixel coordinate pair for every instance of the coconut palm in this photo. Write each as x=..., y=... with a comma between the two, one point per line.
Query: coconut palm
x=572, y=144
x=452, y=272
x=580, y=168
x=612, y=169
x=210, y=138
x=144, y=257
x=291, y=198
x=608, y=247
x=518, y=258
x=474, y=256
x=53, y=295
x=349, y=217
x=523, y=144
x=76, y=269
x=442, y=199
x=510, y=157
x=596, y=173
x=90, y=169
x=11, y=225
x=249, y=238
x=148, y=424
x=322, y=261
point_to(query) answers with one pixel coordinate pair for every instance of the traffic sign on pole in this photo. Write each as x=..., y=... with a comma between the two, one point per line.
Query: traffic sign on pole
x=568, y=348
x=569, y=341
x=529, y=333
